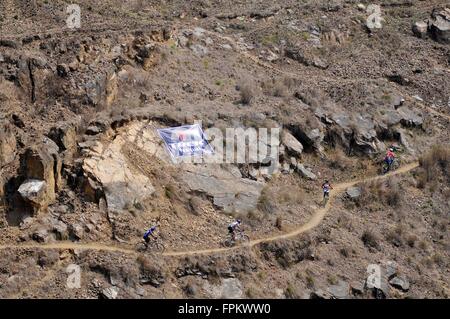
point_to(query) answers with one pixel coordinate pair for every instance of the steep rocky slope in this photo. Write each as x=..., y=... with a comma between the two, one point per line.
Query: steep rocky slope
x=83, y=172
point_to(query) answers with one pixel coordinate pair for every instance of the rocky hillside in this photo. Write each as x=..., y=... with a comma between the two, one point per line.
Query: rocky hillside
x=83, y=172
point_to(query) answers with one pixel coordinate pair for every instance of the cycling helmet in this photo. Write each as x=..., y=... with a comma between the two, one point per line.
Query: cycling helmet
x=391, y=149
x=239, y=221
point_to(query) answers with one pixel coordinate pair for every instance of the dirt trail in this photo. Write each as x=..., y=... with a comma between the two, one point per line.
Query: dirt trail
x=313, y=222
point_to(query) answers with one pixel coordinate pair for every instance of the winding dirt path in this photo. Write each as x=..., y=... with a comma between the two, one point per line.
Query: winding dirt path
x=312, y=223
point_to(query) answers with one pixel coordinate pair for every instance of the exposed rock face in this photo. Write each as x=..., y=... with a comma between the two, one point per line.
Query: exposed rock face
x=122, y=184
x=151, y=273
x=400, y=282
x=35, y=78
x=319, y=294
x=353, y=192
x=228, y=189
x=340, y=290
x=291, y=143
x=299, y=55
x=110, y=293
x=230, y=288
x=439, y=26
x=64, y=135
x=316, y=137
x=358, y=132
x=41, y=167
x=305, y=172
x=7, y=144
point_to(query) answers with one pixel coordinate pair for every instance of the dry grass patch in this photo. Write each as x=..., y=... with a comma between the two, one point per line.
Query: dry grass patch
x=436, y=160
x=380, y=193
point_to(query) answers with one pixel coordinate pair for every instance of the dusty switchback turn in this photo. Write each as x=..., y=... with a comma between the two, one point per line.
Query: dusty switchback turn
x=312, y=223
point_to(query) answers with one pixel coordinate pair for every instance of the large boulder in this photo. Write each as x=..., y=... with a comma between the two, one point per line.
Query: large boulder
x=439, y=25
x=353, y=192
x=35, y=193
x=291, y=143
x=305, y=172
x=229, y=288
x=420, y=29
x=110, y=293
x=356, y=133
x=41, y=168
x=410, y=117
x=340, y=290
x=400, y=282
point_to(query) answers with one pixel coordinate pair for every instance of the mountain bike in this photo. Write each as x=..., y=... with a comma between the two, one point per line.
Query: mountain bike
x=153, y=245
x=240, y=237
x=385, y=168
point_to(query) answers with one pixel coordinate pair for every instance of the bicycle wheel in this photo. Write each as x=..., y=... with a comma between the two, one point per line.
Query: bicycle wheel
x=245, y=238
x=141, y=247
x=159, y=247
x=395, y=165
x=228, y=242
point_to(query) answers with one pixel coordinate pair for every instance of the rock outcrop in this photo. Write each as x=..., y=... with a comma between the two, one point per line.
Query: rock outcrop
x=7, y=144
x=227, y=188
x=41, y=169
x=439, y=26
x=34, y=192
x=122, y=184
x=292, y=144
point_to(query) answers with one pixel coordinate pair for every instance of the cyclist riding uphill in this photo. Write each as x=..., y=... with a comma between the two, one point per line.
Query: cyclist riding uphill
x=149, y=233
x=233, y=227
x=326, y=186
x=390, y=156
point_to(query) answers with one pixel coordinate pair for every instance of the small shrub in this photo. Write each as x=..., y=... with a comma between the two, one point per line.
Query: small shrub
x=280, y=89
x=411, y=240
x=250, y=292
x=265, y=203
x=438, y=156
x=332, y=280
x=394, y=238
x=309, y=281
x=370, y=240
x=423, y=245
x=291, y=292
x=253, y=215
x=338, y=160
x=279, y=223
x=438, y=260
x=169, y=191
x=247, y=93
x=392, y=194
x=344, y=252
x=261, y=275
x=388, y=192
